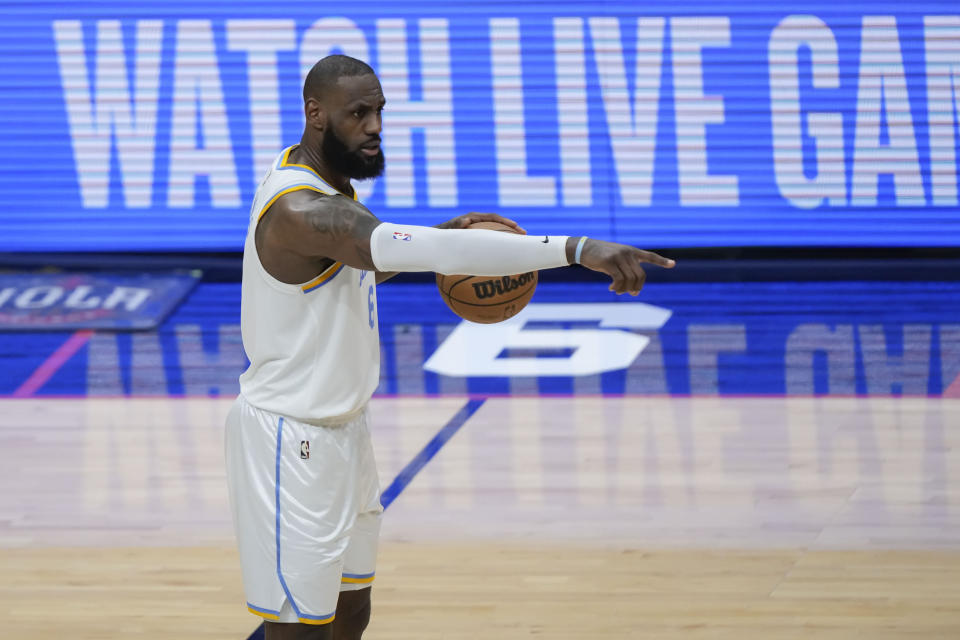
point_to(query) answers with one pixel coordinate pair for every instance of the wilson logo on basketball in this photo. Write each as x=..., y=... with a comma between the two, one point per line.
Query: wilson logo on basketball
x=486, y=299
x=491, y=288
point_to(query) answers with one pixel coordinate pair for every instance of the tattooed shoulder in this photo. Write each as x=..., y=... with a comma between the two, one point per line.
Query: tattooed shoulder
x=331, y=222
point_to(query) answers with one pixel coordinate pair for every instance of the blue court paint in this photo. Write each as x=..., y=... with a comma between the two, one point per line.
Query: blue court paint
x=409, y=472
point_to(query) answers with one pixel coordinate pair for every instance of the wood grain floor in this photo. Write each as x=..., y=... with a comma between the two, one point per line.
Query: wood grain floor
x=504, y=591
x=565, y=518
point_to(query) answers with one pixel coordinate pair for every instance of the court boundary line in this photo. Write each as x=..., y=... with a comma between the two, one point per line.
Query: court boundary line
x=425, y=455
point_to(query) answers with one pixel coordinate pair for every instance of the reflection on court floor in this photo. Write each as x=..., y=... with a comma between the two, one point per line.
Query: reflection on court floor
x=706, y=472
x=630, y=471
x=731, y=516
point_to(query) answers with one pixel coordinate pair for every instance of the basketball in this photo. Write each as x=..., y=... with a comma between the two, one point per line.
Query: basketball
x=487, y=299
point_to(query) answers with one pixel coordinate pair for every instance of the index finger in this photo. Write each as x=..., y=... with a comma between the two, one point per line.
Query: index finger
x=655, y=258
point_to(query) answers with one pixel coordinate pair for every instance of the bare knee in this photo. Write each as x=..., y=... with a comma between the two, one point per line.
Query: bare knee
x=353, y=614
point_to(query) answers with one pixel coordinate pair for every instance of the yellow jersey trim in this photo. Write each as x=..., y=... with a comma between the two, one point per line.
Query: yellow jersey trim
x=284, y=164
x=291, y=165
x=298, y=187
x=323, y=278
x=357, y=580
x=263, y=614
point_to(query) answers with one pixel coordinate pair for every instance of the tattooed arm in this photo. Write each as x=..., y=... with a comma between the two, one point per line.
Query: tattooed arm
x=315, y=225
x=305, y=232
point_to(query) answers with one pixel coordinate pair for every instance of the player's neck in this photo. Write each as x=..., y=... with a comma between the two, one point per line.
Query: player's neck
x=308, y=154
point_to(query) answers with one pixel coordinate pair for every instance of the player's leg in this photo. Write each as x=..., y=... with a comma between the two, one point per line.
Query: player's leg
x=297, y=631
x=251, y=462
x=360, y=559
x=353, y=614
x=294, y=507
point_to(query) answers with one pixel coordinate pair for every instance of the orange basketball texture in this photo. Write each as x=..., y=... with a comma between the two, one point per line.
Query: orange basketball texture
x=487, y=299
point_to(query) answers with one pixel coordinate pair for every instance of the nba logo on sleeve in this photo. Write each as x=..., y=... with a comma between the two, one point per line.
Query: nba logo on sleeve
x=304, y=449
x=399, y=235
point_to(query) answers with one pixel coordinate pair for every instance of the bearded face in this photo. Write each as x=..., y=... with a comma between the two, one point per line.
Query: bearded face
x=360, y=162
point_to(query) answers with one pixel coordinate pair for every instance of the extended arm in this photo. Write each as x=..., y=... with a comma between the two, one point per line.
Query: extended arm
x=319, y=226
x=491, y=253
x=314, y=225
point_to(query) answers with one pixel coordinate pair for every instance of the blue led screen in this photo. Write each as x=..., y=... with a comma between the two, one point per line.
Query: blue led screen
x=146, y=126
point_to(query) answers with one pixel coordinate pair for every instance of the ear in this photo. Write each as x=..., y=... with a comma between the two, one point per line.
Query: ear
x=315, y=115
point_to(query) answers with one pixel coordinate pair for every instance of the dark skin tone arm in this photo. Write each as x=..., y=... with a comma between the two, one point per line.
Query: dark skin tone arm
x=305, y=232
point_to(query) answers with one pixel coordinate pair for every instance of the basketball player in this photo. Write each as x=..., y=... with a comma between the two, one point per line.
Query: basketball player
x=303, y=485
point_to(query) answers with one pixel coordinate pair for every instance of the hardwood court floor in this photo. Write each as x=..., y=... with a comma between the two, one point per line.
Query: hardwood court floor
x=562, y=517
x=504, y=591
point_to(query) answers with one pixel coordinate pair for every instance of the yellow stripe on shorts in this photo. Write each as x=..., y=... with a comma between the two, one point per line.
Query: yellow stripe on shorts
x=318, y=620
x=357, y=578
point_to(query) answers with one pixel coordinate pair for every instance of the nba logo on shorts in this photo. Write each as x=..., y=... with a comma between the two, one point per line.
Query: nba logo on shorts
x=399, y=235
x=304, y=449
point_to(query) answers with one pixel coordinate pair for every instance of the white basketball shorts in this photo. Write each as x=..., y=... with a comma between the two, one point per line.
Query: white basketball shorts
x=306, y=511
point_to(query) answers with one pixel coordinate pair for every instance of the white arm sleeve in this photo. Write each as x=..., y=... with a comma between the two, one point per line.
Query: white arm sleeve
x=476, y=252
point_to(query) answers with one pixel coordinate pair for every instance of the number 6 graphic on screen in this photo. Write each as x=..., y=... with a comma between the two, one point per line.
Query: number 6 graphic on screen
x=474, y=350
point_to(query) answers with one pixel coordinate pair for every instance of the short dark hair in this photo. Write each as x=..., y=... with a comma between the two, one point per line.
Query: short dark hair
x=327, y=71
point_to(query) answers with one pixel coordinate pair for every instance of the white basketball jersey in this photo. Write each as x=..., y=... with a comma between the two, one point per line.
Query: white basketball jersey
x=314, y=348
